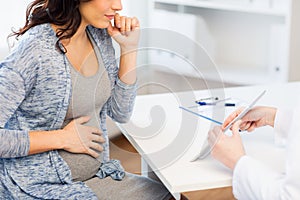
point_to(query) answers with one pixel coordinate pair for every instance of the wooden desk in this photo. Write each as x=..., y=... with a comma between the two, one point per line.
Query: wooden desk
x=167, y=137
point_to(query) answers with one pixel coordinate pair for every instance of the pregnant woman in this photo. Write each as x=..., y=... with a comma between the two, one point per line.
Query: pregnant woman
x=56, y=88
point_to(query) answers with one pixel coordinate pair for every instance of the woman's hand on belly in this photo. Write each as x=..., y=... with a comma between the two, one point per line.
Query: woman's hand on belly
x=78, y=138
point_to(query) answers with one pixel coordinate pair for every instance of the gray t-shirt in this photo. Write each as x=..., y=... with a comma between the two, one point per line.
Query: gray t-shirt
x=89, y=94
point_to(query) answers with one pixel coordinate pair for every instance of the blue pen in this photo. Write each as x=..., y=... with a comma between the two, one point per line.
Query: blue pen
x=208, y=98
x=210, y=119
x=229, y=104
x=203, y=103
x=213, y=104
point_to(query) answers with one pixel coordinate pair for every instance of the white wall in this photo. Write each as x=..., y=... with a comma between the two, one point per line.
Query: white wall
x=136, y=8
x=12, y=15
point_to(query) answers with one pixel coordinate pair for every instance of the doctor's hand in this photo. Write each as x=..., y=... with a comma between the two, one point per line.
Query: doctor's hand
x=125, y=32
x=226, y=149
x=79, y=138
x=257, y=117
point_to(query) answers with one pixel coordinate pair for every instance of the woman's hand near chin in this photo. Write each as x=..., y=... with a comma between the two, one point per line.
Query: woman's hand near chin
x=125, y=32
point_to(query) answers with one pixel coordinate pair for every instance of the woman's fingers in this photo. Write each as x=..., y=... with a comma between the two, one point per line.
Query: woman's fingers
x=128, y=22
x=125, y=32
x=135, y=24
x=95, y=130
x=97, y=138
x=117, y=21
x=124, y=24
x=93, y=153
x=96, y=146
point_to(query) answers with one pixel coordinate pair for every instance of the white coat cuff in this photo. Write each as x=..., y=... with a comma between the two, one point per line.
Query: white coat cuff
x=282, y=125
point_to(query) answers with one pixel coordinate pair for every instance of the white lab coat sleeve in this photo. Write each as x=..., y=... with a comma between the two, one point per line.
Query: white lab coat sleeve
x=282, y=126
x=254, y=180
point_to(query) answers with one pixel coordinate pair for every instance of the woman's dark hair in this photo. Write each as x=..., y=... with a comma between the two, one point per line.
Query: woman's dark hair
x=63, y=13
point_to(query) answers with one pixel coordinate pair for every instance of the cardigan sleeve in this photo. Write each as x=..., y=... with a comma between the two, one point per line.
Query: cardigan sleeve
x=122, y=101
x=14, y=143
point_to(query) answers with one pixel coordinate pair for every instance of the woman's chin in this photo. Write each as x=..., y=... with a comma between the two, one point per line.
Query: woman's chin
x=102, y=25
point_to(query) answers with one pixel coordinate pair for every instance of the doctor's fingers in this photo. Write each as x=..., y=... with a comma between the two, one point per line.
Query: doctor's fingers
x=245, y=125
x=233, y=115
x=252, y=127
x=236, y=128
x=214, y=135
x=248, y=126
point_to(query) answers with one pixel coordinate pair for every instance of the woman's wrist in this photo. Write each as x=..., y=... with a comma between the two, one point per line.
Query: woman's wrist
x=127, y=70
x=125, y=49
x=61, y=140
x=42, y=141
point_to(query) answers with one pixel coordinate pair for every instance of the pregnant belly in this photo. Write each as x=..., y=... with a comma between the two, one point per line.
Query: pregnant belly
x=82, y=166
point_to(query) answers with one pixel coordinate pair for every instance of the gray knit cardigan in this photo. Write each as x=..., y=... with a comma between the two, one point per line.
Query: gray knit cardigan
x=35, y=90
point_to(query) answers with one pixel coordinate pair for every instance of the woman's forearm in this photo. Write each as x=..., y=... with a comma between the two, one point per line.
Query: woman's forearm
x=127, y=71
x=120, y=108
x=75, y=137
x=42, y=141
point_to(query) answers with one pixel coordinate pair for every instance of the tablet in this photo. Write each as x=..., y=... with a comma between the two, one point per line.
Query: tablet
x=205, y=151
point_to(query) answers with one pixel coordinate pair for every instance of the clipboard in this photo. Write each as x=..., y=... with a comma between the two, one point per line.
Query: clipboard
x=205, y=151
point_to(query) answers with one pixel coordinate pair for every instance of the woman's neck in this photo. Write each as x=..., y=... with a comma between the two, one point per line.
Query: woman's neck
x=80, y=34
x=78, y=37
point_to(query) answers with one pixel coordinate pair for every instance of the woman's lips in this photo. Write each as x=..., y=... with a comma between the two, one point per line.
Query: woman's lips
x=110, y=17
